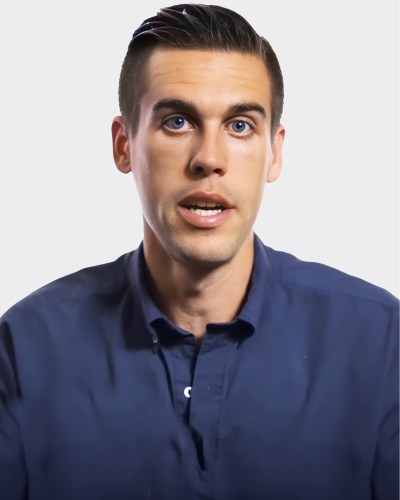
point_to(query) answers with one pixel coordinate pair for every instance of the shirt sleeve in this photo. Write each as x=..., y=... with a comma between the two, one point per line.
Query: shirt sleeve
x=13, y=481
x=385, y=479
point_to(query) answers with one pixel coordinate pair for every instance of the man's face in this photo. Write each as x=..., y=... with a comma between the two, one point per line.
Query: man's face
x=202, y=152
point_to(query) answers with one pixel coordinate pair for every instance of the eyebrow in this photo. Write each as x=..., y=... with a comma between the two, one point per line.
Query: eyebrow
x=189, y=107
x=176, y=104
x=245, y=107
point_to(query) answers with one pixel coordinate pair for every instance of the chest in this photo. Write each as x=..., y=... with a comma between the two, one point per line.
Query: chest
x=228, y=419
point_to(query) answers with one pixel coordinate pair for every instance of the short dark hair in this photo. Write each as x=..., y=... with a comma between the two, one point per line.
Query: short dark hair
x=193, y=26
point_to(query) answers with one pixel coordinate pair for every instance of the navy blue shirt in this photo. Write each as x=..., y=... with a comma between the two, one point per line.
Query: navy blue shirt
x=103, y=398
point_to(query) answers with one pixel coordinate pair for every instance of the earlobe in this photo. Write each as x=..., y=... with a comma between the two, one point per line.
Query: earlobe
x=120, y=138
x=276, y=163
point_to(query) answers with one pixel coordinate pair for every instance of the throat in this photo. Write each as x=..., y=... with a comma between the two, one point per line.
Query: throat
x=192, y=296
x=193, y=304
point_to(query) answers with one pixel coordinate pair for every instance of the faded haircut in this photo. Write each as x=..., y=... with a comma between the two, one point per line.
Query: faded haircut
x=193, y=27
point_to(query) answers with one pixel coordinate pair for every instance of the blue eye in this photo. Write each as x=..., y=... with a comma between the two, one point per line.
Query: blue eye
x=239, y=126
x=176, y=123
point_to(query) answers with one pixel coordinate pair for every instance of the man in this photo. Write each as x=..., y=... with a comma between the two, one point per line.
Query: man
x=203, y=365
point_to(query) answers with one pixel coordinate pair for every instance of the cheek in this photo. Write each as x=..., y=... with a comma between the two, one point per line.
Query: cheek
x=254, y=150
x=251, y=164
x=161, y=155
x=157, y=169
x=251, y=181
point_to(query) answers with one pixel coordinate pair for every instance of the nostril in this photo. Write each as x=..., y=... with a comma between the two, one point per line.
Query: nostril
x=198, y=169
x=201, y=169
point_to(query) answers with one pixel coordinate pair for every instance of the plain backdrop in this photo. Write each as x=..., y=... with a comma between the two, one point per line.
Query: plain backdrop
x=63, y=204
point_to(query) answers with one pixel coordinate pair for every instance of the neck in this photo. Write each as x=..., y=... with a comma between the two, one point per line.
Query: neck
x=193, y=294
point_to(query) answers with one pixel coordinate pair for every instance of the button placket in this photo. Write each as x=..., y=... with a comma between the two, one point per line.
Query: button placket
x=180, y=358
x=208, y=394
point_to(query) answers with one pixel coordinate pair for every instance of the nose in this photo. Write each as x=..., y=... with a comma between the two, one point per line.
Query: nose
x=209, y=155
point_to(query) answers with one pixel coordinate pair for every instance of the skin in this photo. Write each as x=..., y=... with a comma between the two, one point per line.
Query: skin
x=204, y=127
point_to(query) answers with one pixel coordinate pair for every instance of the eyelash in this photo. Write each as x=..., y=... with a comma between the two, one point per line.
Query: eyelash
x=167, y=124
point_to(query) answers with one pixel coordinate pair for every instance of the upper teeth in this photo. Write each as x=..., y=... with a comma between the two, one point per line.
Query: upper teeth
x=199, y=211
x=202, y=203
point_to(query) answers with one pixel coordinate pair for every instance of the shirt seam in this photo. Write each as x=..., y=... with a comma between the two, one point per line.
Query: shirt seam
x=340, y=294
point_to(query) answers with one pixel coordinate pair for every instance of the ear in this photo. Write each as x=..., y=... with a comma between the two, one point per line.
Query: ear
x=276, y=162
x=120, y=138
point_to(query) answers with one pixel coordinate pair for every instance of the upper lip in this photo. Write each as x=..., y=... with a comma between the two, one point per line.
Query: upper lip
x=210, y=199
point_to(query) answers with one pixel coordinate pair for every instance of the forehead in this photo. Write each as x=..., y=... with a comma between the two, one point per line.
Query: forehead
x=206, y=77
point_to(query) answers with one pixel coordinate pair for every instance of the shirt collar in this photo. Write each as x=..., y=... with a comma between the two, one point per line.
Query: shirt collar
x=249, y=314
x=260, y=276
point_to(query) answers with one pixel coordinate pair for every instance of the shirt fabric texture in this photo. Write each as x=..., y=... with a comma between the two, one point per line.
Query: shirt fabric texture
x=103, y=398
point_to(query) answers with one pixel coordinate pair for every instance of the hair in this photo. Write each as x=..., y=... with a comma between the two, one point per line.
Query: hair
x=193, y=26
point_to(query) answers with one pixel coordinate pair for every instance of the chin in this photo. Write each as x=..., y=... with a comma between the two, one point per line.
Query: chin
x=209, y=252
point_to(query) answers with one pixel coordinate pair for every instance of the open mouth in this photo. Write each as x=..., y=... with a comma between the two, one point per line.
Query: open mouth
x=205, y=209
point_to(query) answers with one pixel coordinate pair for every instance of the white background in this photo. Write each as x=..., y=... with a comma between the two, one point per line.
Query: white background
x=63, y=204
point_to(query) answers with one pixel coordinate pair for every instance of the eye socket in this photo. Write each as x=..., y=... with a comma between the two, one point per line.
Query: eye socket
x=176, y=123
x=240, y=127
x=179, y=123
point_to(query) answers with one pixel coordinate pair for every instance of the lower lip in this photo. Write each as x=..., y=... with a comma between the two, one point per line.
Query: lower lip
x=205, y=221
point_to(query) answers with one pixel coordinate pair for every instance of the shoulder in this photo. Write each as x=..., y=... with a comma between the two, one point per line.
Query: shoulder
x=318, y=302
x=323, y=280
x=92, y=284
